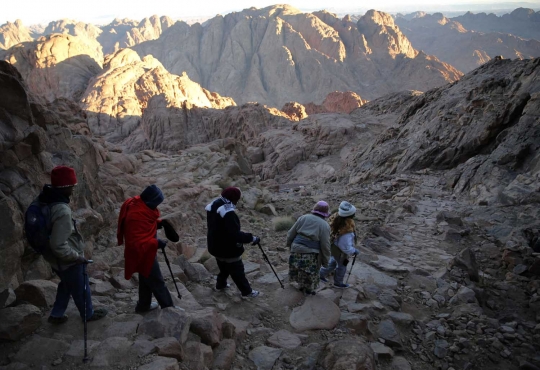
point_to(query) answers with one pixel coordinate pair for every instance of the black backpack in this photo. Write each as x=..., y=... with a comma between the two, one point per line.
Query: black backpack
x=38, y=226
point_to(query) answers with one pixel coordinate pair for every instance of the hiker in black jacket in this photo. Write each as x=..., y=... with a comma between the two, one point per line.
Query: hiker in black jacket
x=225, y=241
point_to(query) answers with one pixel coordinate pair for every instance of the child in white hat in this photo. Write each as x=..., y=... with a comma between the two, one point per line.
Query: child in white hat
x=343, y=237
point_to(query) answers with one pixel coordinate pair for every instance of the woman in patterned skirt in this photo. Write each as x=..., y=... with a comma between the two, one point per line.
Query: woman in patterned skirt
x=309, y=242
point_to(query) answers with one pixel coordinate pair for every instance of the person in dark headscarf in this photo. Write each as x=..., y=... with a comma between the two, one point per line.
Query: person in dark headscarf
x=225, y=241
x=137, y=229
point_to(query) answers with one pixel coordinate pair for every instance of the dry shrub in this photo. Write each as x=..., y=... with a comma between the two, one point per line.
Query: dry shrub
x=282, y=223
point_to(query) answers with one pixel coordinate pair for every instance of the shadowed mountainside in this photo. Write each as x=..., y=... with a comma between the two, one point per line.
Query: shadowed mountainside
x=522, y=22
x=466, y=50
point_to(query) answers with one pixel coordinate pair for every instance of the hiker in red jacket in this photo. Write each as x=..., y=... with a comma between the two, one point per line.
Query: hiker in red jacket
x=137, y=228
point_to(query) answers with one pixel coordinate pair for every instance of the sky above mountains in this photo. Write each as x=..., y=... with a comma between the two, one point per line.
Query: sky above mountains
x=103, y=11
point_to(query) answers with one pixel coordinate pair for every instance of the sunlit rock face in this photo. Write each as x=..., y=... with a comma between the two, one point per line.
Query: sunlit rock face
x=57, y=66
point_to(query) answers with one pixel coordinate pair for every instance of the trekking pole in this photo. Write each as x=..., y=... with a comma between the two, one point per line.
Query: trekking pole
x=272, y=267
x=170, y=269
x=354, y=259
x=85, y=274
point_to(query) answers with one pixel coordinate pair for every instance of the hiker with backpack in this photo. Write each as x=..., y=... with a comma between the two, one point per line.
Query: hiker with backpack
x=53, y=232
x=225, y=241
x=343, y=236
x=138, y=223
x=309, y=243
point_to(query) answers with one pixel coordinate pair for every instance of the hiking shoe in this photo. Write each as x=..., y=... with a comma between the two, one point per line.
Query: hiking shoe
x=152, y=306
x=309, y=292
x=57, y=320
x=341, y=285
x=323, y=279
x=253, y=294
x=216, y=289
x=99, y=313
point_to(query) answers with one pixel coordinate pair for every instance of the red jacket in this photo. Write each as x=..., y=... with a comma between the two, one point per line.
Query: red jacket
x=137, y=227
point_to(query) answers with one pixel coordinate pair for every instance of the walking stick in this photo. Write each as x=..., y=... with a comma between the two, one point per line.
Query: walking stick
x=272, y=267
x=85, y=274
x=354, y=259
x=170, y=269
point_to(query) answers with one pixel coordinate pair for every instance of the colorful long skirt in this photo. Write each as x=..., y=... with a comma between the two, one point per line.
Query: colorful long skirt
x=303, y=268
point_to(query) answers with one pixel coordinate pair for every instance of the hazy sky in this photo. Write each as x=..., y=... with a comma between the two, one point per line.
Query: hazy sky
x=103, y=11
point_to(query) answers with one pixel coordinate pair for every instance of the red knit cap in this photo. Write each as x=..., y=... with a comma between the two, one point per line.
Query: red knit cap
x=63, y=177
x=233, y=194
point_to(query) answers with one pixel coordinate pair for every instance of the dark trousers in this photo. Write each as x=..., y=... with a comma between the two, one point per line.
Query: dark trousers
x=72, y=283
x=236, y=271
x=153, y=284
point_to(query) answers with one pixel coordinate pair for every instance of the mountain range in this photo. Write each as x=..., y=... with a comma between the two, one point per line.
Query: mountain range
x=468, y=48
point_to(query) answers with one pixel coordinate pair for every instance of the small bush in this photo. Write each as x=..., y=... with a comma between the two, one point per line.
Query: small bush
x=282, y=223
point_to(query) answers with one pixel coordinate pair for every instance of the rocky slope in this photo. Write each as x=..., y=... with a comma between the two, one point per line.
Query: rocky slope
x=482, y=130
x=466, y=50
x=57, y=66
x=522, y=22
x=278, y=54
x=35, y=138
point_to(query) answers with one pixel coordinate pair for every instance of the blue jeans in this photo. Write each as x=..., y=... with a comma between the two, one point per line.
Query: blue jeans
x=72, y=282
x=338, y=266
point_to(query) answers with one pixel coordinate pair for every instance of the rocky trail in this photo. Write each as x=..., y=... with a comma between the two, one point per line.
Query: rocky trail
x=411, y=305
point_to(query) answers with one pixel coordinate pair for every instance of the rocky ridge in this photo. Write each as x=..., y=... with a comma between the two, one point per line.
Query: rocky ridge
x=279, y=55
x=118, y=34
x=466, y=50
x=116, y=98
x=521, y=22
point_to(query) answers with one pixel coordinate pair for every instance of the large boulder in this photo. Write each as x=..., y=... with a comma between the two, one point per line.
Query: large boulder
x=196, y=272
x=224, y=355
x=207, y=324
x=112, y=352
x=40, y=293
x=316, y=313
x=41, y=350
x=347, y=354
x=168, y=322
x=20, y=321
x=386, y=330
x=264, y=357
x=169, y=347
x=284, y=339
x=161, y=363
x=198, y=356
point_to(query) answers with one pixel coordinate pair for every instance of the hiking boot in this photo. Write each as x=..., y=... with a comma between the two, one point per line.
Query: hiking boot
x=309, y=292
x=152, y=306
x=323, y=279
x=216, y=289
x=341, y=285
x=253, y=294
x=99, y=313
x=57, y=320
